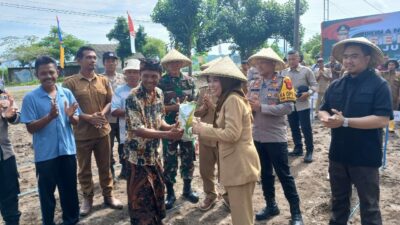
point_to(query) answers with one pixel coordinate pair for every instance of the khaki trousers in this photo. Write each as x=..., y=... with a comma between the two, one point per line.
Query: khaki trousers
x=319, y=100
x=208, y=160
x=240, y=202
x=101, y=150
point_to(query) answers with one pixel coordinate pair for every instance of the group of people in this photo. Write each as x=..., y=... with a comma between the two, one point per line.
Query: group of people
x=240, y=123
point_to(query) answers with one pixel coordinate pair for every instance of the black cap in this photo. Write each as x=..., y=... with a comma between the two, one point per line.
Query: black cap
x=109, y=55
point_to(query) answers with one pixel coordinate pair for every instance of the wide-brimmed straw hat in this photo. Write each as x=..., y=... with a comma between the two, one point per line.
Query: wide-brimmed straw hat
x=132, y=64
x=208, y=64
x=376, y=52
x=225, y=67
x=175, y=56
x=268, y=54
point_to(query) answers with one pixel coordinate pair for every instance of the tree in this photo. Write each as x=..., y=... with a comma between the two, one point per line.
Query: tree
x=71, y=44
x=210, y=32
x=120, y=33
x=182, y=18
x=313, y=46
x=251, y=22
x=154, y=48
x=287, y=20
x=25, y=49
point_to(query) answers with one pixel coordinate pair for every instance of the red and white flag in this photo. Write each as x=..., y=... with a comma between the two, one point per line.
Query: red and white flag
x=132, y=33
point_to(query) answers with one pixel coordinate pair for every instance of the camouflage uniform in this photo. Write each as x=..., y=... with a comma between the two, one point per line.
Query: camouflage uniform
x=173, y=88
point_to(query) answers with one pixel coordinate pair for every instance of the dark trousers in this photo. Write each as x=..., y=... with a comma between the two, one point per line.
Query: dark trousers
x=366, y=181
x=170, y=158
x=274, y=156
x=61, y=173
x=9, y=190
x=114, y=134
x=301, y=119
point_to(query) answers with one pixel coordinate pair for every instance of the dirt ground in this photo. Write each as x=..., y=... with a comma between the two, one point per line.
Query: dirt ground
x=311, y=181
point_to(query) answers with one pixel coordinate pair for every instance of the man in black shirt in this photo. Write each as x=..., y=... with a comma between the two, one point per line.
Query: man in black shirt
x=356, y=108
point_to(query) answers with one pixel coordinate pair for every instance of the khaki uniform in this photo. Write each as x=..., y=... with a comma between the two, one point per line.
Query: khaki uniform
x=393, y=79
x=238, y=158
x=208, y=148
x=92, y=96
x=324, y=79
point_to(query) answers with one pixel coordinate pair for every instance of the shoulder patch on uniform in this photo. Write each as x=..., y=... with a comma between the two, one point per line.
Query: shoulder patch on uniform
x=287, y=93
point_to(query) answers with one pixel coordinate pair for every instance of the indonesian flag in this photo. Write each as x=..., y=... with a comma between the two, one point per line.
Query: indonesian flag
x=132, y=33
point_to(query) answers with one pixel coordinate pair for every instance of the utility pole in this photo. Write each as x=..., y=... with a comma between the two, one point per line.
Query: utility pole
x=326, y=10
x=296, y=26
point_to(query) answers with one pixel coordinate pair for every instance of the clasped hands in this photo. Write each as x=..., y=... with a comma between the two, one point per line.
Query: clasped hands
x=334, y=121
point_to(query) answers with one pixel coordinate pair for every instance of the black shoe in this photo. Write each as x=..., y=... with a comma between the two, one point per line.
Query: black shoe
x=188, y=193
x=124, y=173
x=308, y=158
x=296, y=220
x=296, y=152
x=170, y=200
x=296, y=214
x=267, y=213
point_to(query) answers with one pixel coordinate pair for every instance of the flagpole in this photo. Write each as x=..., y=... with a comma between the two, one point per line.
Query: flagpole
x=62, y=53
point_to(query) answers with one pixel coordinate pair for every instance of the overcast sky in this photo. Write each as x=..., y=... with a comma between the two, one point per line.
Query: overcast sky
x=97, y=17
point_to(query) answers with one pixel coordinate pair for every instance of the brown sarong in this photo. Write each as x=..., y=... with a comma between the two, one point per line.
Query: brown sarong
x=145, y=189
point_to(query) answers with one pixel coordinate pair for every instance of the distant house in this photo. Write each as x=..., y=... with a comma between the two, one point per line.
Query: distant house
x=100, y=50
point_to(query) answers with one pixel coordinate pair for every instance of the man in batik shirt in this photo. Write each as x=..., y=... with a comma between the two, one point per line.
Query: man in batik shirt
x=145, y=126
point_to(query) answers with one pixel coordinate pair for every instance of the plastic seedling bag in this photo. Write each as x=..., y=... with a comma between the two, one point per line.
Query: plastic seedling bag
x=185, y=118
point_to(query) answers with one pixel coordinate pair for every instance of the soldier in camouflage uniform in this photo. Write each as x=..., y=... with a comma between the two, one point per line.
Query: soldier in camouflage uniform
x=177, y=87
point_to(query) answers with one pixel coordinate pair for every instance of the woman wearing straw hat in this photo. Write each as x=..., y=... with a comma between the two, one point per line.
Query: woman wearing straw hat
x=208, y=154
x=356, y=108
x=177, y=87
x=271, y=98
x=238, y=160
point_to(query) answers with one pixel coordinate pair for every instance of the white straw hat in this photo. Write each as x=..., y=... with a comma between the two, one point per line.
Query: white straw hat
x=208, y=64
x=268, y=54
x=225, y=67
x=376, y=53
x=173, y=56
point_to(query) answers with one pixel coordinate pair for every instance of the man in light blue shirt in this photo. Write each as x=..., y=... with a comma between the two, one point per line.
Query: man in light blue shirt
x=132, y=77
x=48, y=112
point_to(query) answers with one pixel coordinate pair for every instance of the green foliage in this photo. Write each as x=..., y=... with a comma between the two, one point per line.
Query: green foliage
x=287, y=20
x=210, y=32
x=4, y=73
x=71, y=44
x=26, y=49
x=141, y=39
x=25, y=54
x=120, y=33
x=182, y=18
x=154, y=48
x=313, y=46
x=249, y=23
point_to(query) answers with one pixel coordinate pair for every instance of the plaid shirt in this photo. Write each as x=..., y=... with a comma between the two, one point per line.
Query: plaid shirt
x=143, y=110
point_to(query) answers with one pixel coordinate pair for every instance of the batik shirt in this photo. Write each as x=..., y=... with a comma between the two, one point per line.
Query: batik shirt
x=176, y=87
x=143, y=110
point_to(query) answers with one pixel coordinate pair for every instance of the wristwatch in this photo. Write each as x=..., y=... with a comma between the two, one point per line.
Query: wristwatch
x=345, y=122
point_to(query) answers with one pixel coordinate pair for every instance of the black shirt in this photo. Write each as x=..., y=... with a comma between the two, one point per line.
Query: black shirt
x=364, y=95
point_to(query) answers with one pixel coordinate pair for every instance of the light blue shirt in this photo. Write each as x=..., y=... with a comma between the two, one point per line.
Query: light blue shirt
x=56, y=138
x=118, y=102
